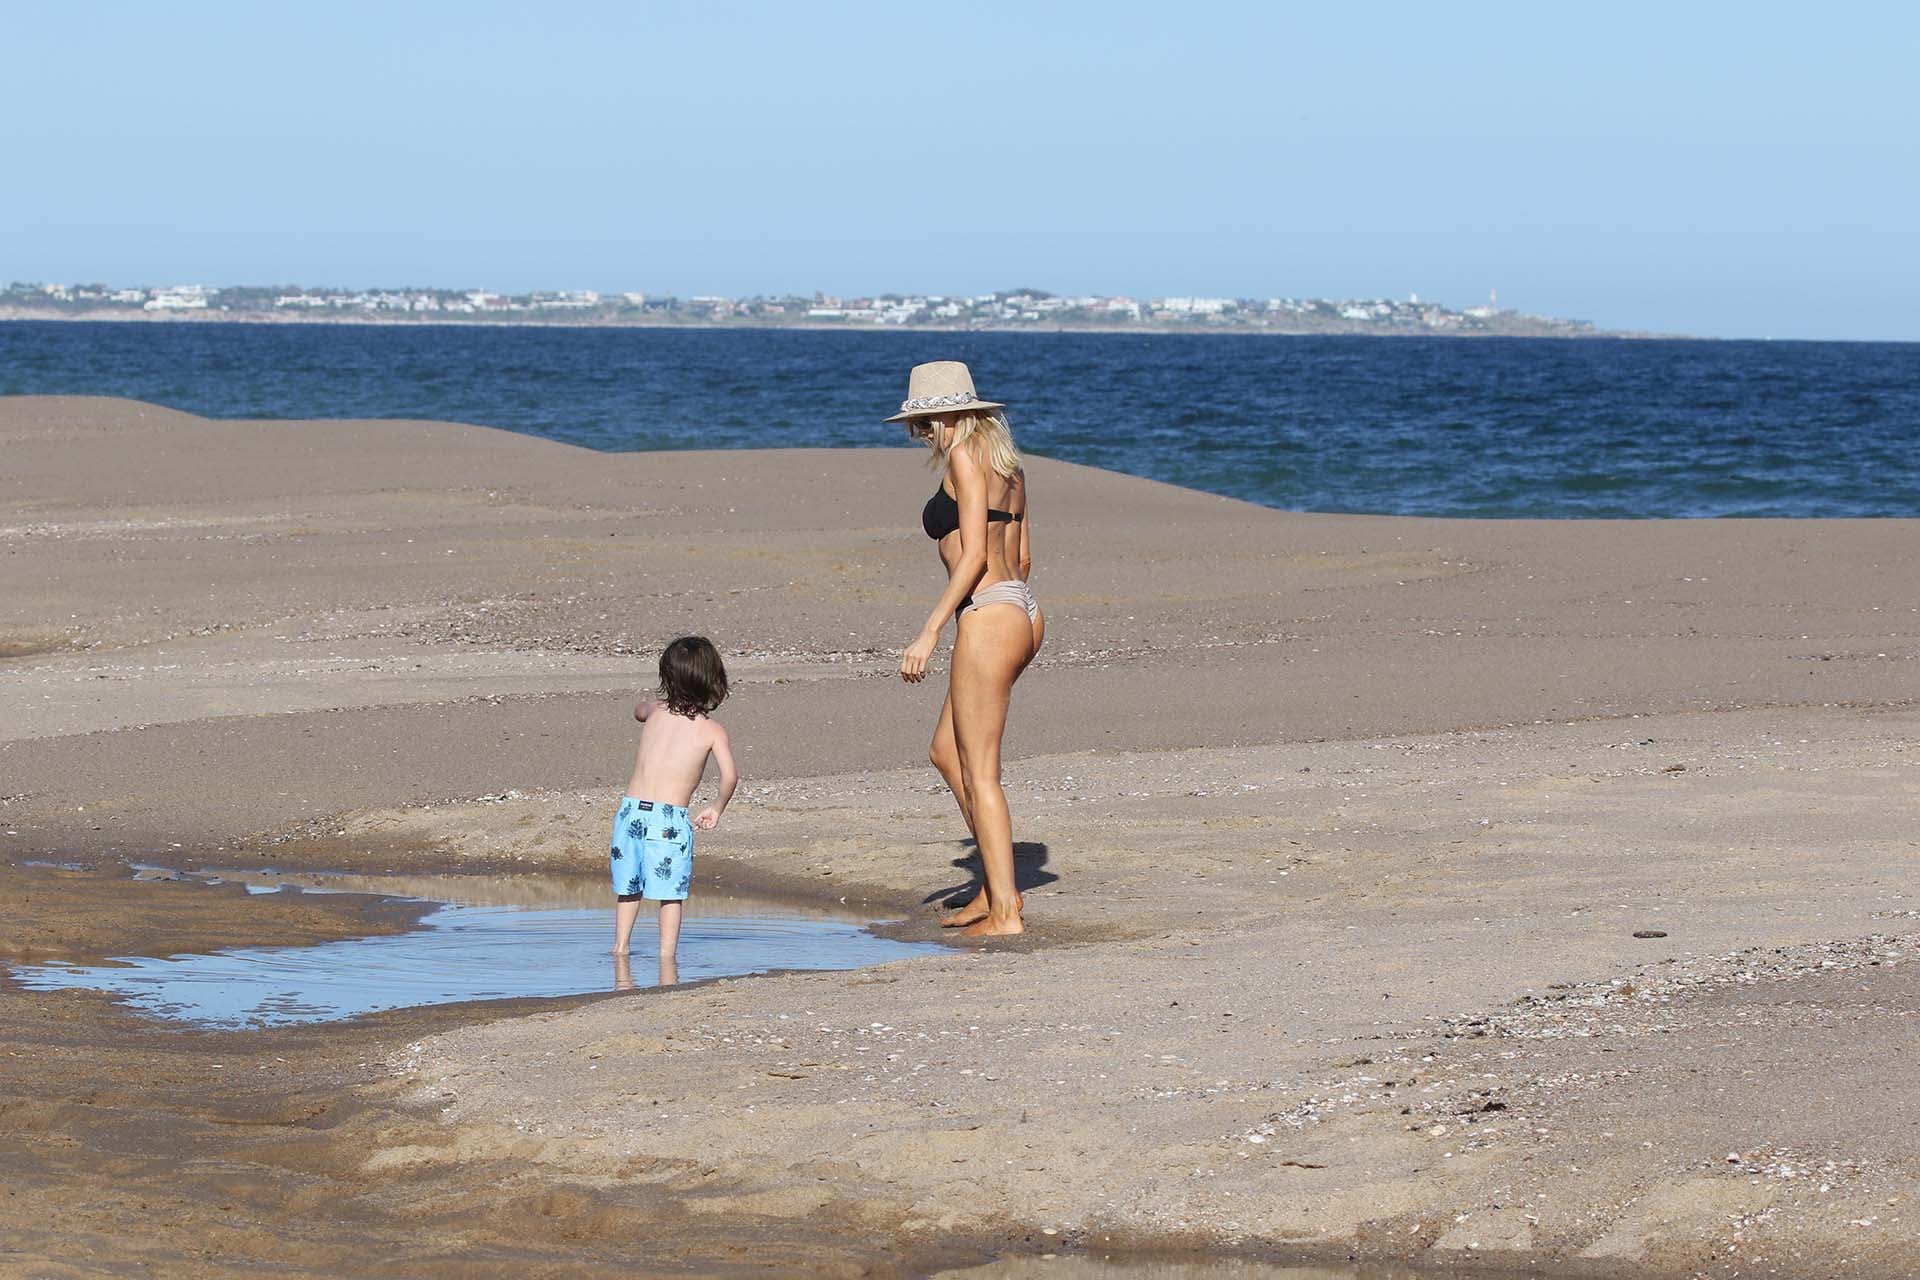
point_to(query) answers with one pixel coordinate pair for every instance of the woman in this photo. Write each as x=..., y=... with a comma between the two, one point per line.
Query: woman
x=978, y=519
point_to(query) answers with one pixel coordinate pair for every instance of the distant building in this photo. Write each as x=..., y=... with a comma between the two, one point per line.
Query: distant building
x=186, y=297
x=1194, y=306
x=566, y=300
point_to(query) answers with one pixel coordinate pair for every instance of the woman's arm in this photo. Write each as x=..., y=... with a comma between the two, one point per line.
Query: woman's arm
x=970, y=491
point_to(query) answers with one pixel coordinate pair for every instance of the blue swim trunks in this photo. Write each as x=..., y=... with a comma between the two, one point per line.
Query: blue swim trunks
x=652, y=851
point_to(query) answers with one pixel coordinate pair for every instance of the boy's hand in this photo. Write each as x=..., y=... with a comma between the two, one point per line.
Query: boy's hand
x=913, y=663
x=645, y=707
x=706, y=819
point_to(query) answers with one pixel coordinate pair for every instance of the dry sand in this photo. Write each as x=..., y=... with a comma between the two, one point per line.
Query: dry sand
x=1336, y=831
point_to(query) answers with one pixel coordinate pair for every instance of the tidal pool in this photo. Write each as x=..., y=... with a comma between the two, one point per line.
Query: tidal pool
x=488, y=938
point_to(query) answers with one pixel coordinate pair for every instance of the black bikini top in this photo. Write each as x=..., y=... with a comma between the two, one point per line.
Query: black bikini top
x=941, y=515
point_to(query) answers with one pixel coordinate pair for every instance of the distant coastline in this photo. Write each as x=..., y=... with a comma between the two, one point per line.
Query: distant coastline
x=1020, y=310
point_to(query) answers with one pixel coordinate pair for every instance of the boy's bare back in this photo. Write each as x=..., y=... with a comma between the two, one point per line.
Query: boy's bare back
x=673, y=753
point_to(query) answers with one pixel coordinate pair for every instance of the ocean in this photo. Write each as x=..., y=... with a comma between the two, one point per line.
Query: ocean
x=1503, y=427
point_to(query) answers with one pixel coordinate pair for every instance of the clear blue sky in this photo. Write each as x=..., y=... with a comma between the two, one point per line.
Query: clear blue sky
x=1725, y=169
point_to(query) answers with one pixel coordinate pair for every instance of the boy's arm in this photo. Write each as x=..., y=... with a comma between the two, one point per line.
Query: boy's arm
x=645, y=707
x=722, y=750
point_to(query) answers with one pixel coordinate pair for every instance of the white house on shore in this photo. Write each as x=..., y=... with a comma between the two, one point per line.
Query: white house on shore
x=185, y=297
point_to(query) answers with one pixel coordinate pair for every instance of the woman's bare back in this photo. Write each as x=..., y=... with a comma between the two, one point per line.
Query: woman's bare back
x=1007, y=540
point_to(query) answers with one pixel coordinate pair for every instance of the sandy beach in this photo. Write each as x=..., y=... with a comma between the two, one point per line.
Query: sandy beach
x=1337, y=834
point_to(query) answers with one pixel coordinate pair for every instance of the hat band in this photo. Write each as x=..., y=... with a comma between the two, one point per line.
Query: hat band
x=920, y=404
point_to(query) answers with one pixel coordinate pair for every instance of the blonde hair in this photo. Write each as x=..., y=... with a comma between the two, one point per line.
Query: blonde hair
x=994, y=447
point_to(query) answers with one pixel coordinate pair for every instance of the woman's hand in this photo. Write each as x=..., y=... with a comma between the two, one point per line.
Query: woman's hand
x=913, y=663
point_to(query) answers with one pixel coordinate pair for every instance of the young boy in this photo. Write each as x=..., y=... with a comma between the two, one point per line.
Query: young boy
x=652, y=835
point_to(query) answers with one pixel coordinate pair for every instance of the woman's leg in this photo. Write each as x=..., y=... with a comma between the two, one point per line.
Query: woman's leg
x=946, y=758
x=994, y=645
x=945, y=754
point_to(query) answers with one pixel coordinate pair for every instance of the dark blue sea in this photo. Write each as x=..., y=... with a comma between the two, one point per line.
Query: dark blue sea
x=1414, y=426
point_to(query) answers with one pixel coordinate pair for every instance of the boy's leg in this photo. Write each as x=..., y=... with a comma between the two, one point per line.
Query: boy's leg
x=669, y=929
x=624, y=915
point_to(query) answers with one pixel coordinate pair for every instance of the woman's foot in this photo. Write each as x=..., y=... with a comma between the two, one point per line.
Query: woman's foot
x=959, y=917
x=993, y=926
x=976, y=911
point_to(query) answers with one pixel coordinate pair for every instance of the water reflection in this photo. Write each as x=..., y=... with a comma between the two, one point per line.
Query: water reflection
x=623, y=972
x=468, y=950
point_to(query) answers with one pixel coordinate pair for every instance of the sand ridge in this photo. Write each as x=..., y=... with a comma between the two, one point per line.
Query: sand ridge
x=1306, y=804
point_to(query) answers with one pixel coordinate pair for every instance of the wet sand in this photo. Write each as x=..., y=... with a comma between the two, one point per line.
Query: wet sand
x=1337, y=832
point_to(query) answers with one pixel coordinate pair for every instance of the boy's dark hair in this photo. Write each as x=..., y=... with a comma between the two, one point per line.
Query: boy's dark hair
x=692, y=677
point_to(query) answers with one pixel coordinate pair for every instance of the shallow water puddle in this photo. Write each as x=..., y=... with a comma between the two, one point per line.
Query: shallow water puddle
x=491, y=938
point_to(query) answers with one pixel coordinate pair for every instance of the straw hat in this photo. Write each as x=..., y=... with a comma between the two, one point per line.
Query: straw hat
x=940, y=386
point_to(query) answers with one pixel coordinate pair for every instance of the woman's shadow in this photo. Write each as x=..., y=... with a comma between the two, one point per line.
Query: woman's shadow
x=1029, y=872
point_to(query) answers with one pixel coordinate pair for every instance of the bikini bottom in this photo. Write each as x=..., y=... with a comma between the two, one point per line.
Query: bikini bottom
x=1006, y=591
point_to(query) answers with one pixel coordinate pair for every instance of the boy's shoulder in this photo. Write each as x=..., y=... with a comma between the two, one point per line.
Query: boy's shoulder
x=702, y=723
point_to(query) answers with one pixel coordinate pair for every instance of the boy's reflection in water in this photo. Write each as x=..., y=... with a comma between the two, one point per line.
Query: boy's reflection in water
x=623, y=972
